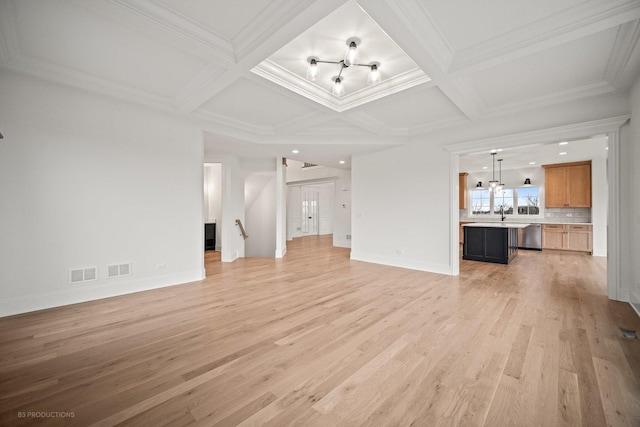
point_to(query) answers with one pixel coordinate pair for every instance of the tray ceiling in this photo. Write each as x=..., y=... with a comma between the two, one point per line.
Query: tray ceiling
x=240, y=71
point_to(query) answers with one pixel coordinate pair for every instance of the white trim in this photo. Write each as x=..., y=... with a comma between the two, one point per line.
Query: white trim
x=454, y=218
x=636, y=308
x=613, y=218
x=610, y=126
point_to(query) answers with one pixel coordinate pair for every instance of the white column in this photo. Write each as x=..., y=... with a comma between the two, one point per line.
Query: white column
x=281, y=208
x=613, y=218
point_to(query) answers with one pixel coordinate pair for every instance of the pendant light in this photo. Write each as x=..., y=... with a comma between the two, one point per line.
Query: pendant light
x=500, y=186
x=493, y=183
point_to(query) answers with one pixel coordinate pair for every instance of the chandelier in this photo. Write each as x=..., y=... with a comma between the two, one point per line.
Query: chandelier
x=350, y=60
x=494, y=185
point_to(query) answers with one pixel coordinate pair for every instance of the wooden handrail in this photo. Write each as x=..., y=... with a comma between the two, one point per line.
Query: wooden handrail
x=244, y=233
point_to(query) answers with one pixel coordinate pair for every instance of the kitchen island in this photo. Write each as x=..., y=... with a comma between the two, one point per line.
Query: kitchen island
x=491, y=241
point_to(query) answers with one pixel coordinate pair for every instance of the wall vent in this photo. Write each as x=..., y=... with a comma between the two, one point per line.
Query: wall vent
x=117, y=270
x=348, y=236
x=86, y=274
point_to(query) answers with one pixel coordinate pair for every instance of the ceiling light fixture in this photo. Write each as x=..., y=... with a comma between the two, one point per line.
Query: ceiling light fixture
x=295, y=151
x=527, y=182
x=532, y=163
x=342, y=162
x=350, y=60
x=563, y=153
x=500, y=186
x=563, y=143
x=493, y=183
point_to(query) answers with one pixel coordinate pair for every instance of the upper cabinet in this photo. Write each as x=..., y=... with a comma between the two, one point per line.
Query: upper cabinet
x=568, y=185
x=462, y=183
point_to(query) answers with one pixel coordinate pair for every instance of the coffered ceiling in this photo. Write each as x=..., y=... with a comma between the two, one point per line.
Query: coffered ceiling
x=238, y=67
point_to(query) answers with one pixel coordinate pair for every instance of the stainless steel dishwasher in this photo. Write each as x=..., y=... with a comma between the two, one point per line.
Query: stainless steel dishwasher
x=530, y=237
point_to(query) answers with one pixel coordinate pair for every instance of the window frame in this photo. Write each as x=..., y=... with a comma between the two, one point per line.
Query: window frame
x=516, y=207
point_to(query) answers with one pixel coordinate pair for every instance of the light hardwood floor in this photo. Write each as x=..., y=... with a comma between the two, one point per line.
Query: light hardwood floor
x=317, y=339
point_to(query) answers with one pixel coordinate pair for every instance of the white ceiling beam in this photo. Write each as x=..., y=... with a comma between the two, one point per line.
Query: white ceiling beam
x=626, y=43
x=256, y=45
x=409, y=25
x=585, y=19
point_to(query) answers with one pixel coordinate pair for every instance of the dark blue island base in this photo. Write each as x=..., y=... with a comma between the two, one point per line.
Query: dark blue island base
x=490, y=244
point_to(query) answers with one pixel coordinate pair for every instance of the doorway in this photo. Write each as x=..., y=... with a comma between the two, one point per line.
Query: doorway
x=309, y=214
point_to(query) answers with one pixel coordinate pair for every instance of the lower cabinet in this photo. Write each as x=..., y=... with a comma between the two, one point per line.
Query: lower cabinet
x=568, y=237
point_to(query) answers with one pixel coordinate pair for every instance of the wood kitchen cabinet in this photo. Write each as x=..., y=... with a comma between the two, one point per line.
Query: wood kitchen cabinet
x=568, y=185
x=568, y=237
x=462, y=184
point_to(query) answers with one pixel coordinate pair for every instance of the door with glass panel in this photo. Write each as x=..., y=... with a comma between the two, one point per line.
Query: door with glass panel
x=310, y=212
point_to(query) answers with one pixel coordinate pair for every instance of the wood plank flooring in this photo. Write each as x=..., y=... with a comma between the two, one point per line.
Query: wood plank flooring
x=315, y=339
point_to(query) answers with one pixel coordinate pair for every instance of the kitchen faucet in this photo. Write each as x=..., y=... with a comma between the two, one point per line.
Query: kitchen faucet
x=502, y=213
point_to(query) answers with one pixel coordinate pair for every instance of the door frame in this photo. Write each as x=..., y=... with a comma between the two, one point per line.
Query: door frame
x=610, y=127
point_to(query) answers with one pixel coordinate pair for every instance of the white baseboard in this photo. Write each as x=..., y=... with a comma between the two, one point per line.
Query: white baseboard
x=403, y=263
x=83, y=293
x=636, y=308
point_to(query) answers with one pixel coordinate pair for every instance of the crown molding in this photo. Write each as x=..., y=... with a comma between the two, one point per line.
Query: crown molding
x=204, y=78
x=228, y=122
x=580, y=21
x=572, y=131
x=626, y=42
x=586, y=91
x=182, y=26
x=438, y=125
x=268, y=22
x=55, y=73
x=283, y=77
x=417, y=20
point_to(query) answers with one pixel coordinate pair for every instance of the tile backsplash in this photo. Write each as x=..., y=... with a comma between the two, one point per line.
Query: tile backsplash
x=568, y=214
x=561, y=215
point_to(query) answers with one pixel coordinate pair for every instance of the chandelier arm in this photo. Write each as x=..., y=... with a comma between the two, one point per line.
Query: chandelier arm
x=329, y=62
x=341, y=68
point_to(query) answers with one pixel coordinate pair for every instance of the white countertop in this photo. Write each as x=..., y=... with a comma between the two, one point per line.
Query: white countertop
x=496, y=224
x=471, y=221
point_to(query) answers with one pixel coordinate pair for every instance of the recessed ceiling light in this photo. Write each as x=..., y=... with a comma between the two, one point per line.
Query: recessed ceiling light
x=532, y=163
x=485, y=167
x=606, y=148
x=494, y=151
x=499, y=150
x=563, y=143
x=295, y=151
x=563, y=153
x=342, y=162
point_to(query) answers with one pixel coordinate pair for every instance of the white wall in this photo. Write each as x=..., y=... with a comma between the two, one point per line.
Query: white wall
x=629, y=177
x=213, y=197
x=232, y=209
x=261, y=222
x=599, y=205
x=88, y=181
x=401, y=207
x=342, y=213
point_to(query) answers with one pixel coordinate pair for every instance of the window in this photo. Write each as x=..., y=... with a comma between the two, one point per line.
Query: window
x=514, y=201
x=481, y=202
x=529, y=201
x=503, y=199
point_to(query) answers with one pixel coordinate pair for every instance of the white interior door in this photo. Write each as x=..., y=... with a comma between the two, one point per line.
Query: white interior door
x=310, y=212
